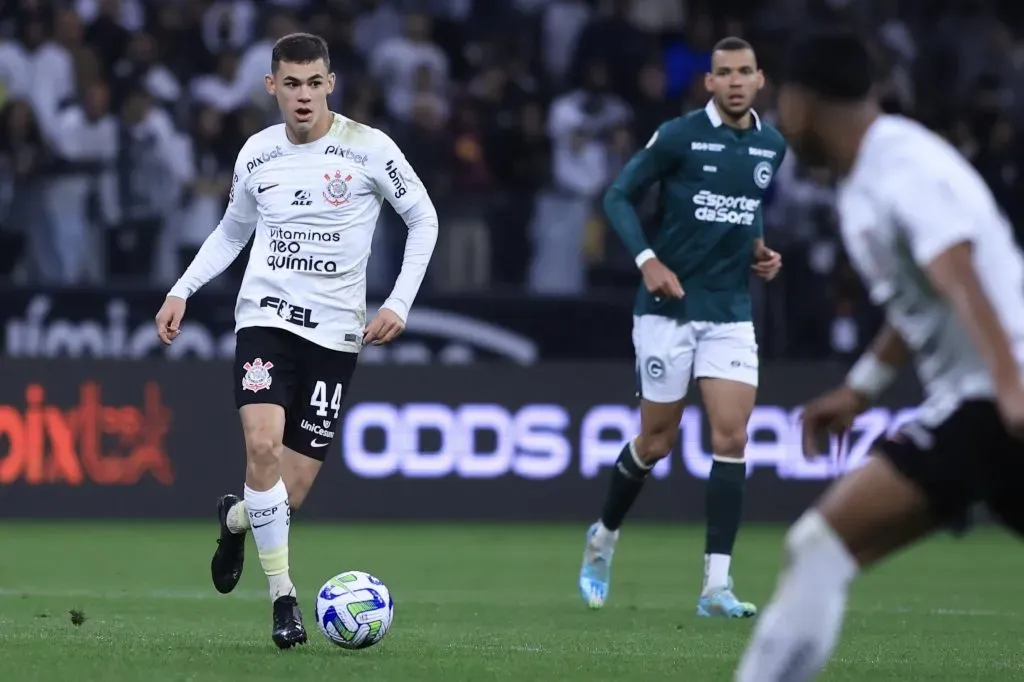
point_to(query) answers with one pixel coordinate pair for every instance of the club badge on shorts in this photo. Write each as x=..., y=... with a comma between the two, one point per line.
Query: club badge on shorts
x=257, y=375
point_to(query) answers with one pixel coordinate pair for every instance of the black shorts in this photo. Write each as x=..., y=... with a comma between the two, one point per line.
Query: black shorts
x=967, y=459
x=274, y=366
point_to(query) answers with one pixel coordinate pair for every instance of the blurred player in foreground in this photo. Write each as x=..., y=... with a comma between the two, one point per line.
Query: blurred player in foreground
x=692, y=315
x=311, y=189
x=933, y=248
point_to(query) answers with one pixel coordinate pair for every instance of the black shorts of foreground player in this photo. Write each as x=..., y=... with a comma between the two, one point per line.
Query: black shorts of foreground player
x=308, y=193
x=933, y=248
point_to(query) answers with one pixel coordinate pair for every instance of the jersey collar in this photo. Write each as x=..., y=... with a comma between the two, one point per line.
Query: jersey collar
x=716, y=119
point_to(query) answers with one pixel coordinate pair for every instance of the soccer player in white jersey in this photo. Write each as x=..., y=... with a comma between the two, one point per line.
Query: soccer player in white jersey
x=310, y=190
x=934, y=250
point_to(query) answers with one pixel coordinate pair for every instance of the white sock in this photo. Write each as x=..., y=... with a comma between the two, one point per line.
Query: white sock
x=238, y=519
x=796, y=634
x=269, y=520
x=716, y=571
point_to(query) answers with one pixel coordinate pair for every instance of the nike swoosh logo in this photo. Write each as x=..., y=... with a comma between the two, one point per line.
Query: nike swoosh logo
x=263, y=524
x=263, y=188
x=317, y=444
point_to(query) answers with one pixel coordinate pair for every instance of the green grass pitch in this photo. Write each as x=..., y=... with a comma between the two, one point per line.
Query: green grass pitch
x=477, y=602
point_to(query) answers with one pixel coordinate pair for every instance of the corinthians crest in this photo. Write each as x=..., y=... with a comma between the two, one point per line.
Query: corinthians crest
x=337, y=193
x=257, y=375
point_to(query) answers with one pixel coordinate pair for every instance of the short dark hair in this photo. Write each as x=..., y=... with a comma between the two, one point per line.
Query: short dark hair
x=834, y=63
x=299, y=48
x=732, y=44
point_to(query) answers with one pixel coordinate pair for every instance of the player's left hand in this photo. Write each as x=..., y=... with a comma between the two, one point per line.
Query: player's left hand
x=384, y=328
x=767, y=263
x=830, y=414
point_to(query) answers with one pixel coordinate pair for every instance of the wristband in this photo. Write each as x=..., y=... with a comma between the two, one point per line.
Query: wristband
x=643, y=257
x=870, y=377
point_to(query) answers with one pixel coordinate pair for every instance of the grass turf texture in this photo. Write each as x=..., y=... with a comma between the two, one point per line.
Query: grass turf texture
x=476, y=603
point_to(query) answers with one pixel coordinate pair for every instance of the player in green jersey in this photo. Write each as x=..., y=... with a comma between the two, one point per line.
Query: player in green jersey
x=692, y=315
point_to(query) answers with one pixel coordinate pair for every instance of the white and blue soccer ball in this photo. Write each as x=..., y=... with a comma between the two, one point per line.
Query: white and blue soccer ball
x=354, y=610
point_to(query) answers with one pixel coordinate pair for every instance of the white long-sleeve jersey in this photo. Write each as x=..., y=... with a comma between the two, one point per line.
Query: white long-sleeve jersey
x=909, y=198
x=314, y=208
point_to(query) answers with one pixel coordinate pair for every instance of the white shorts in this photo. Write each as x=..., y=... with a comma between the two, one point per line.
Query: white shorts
x=669, y=352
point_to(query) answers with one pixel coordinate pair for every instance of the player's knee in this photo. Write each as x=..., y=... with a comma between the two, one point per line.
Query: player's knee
x=730, y=443
x=652, y=447
x=262, y=451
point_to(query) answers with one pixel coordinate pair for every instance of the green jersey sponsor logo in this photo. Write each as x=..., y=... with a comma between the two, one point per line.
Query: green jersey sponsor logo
x=723, y=208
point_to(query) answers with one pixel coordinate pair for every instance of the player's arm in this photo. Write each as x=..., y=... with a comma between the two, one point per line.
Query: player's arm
x=224, y=244
x=398, y=183
x=875, y=371
x=647, y=166
x=835, y=411
x=662, y=154
x=940, y=231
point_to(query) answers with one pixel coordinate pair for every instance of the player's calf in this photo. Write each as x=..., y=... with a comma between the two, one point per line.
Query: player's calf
x=266, y=496
x=797, y=633
x=659, y=431
x=729, y=400
x=298, y=473
x=634, y=464
x=726, y=489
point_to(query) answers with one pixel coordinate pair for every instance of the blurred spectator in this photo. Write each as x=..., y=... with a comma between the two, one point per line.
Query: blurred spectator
x=205, y=197
x=154, y=166
x=562, y=25
x=106, y=31
x=141, y=66
x=24, y=159
x=613, y=38
x=580, y=125
x=411, y=68
x=652, y=105
x=520, y=159
x=52, y=64
x=249, y=85
x=81, y=192
x=217, y=89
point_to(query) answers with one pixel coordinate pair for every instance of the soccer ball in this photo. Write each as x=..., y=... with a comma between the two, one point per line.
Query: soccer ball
x=354, y=610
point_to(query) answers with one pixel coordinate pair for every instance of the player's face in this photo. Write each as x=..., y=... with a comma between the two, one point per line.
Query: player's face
x=796, y=121
x=734, y=81
x=301, y=91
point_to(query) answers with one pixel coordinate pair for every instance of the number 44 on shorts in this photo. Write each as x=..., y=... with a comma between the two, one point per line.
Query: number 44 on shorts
x=319, y=399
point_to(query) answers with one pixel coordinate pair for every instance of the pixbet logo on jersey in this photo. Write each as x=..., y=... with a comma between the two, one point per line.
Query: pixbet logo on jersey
x=258, y=161
x=347, y=154
x=723, y=208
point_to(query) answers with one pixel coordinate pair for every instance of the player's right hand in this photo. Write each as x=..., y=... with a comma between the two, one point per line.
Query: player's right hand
x=661, y=281
x=168, y=319
x=1011, y=408
x=831, y=413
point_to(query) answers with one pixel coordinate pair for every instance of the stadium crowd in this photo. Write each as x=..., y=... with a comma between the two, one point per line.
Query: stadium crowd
x=121, y=120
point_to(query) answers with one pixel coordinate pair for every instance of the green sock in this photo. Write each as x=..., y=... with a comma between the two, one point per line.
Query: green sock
x=724, y=505
x=628, y=478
